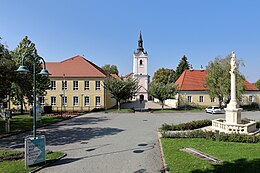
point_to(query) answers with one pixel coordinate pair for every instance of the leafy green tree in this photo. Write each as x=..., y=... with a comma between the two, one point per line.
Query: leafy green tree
x=164, y=75
x=7, y=73
x=257, y=84
x=218, y=79
x=22, y=87
x=182, y=66
x=162, y=91
x=110, y=69
x=121, y=89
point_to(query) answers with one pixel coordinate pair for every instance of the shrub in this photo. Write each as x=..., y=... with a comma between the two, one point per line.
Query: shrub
x=187, y=126
x=97, y=110
x=216, y=136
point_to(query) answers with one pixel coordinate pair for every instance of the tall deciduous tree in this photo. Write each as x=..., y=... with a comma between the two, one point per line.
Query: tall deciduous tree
x=164, y=75
x=257, y=84
x=121, y=89
x=162, y=91
x=7, y=73
x=110, y=69
x=218, y=79
x=22, y=88
x=182, y=66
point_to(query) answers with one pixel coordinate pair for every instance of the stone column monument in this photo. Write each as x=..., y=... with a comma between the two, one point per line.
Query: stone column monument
x=233, y=113
x=232, y=122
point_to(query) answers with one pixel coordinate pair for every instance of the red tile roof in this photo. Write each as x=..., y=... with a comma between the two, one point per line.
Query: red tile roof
x=193, y=80
x=115, y=76
x=75, y=67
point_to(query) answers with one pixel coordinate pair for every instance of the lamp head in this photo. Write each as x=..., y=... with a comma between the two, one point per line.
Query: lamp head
x=23, y=69
x=44, y=72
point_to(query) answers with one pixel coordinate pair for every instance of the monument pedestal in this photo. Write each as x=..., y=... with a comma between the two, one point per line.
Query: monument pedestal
x=233, y=115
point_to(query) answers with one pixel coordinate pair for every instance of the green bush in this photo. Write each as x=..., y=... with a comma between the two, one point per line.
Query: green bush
x=216, y=136
x=187, y=126
x=252, y=106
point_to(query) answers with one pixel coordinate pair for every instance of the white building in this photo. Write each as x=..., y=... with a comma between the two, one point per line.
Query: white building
x=140, y=61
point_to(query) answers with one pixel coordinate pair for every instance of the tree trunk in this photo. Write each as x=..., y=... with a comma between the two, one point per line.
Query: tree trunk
x=162, y=105
x=21, y=106
x=118, y=105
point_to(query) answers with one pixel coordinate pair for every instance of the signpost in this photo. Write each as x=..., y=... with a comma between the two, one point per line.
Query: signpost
x=34, y=150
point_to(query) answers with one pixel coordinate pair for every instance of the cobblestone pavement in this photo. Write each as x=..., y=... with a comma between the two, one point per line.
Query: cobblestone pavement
x=110, y=142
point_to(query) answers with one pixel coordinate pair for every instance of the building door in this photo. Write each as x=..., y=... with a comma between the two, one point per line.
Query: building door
x=141, y=97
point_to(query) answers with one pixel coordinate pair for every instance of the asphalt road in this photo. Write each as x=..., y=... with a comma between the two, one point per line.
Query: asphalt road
x=110, y=142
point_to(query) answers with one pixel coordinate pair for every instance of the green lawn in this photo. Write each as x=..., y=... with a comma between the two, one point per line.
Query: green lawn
x=24, y=122
x=237, y=157
x=18, y=166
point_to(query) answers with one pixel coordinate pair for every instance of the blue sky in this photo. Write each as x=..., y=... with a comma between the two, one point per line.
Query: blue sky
x=106, y=32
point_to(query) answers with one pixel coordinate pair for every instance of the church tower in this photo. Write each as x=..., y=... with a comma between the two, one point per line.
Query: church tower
x=140, y=70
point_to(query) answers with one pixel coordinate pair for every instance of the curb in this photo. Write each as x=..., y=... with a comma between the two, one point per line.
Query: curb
x=165, y=168
x=48, y=164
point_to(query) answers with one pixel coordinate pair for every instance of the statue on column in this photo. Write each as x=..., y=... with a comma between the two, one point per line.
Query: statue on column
x=233, y=62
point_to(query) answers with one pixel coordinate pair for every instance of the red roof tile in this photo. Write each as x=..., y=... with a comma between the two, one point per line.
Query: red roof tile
x=193, y=80
x=115, y=76
x=75, y=67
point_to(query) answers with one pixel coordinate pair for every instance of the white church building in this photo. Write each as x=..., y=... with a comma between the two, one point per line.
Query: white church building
x=140, y=61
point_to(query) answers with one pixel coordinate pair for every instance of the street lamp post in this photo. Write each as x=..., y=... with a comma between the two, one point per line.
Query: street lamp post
x=44, y=71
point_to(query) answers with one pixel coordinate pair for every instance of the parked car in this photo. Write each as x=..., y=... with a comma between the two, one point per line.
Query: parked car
x=213, y=109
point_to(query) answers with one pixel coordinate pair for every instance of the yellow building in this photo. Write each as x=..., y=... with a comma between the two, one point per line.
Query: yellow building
x=76, y=85
x=192, y=90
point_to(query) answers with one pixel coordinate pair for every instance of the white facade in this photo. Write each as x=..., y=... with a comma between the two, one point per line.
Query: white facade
x=140, y=61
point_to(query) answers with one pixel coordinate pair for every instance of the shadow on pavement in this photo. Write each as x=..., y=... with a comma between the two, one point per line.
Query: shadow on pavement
x=67, y=136
x=62, y=136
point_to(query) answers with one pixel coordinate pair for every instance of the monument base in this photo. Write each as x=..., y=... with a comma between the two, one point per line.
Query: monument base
x=233, y=115
x=245, y=127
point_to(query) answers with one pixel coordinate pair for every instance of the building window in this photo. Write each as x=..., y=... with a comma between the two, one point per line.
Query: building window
x=201, y=99
x=53, y=100
x=53, y=85
x=86, y=86
x=97, y=85
x=189, y=99
x=64, y=101
x=213, y=100
x=250, y=98
x=64, y=85
x=86, y=100
x=75, y=85
x=97, y=101
x=141, y=62
x=75, y=100
x=41, y=100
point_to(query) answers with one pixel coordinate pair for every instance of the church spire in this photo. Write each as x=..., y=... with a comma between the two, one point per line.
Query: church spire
x=140, y=43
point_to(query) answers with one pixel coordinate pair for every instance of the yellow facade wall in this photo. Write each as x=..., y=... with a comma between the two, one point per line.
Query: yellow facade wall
x=81, y=93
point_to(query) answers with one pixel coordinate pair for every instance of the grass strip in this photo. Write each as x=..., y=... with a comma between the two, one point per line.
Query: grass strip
x=237, y=157
x=18, y=166
x=21, y=123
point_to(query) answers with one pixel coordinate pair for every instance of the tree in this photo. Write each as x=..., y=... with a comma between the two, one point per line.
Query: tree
x=182, y=66
x=162, y=91
x=22, y=87
x=7, y=72
x=121, y=89
x=257, y=84
x=218, y=79
x=110, y=69
x=164, y=75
